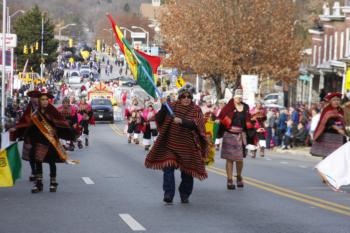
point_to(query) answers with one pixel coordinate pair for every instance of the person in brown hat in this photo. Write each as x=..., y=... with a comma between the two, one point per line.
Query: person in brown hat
x=41, y=132
x=21, y=126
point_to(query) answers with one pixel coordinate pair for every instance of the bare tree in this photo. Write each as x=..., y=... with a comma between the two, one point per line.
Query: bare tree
x=223, y=39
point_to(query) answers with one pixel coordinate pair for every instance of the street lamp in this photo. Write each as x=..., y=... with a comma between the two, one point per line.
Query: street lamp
x=147, y=34
x=131, y=32
x=60, y=29
x=9, y=19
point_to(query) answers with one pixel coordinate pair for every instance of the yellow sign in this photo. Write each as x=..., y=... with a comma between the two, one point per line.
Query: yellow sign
x=347, y=81
x=98, y=45
x=71, y=60
x=180, y=82
x=85, y=54
x=70, y=43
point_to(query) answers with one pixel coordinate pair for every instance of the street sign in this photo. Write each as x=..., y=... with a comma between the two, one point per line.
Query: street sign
x=304, y=78
x=138, y=35
x=11, y=40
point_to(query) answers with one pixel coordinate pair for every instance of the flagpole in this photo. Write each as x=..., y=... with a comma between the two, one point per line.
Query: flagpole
x=147, y=75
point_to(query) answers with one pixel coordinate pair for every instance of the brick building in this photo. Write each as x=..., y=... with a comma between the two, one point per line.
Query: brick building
x=330, y=56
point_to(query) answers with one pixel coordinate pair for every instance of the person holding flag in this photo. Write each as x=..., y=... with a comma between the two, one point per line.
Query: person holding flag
x=181, y=144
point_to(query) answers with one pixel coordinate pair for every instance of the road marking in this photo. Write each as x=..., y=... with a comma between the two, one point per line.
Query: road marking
x=87, y=180
x=302, y=166
x=132, y=223
x=268, y=159
x=283, y=162
x=311, y=200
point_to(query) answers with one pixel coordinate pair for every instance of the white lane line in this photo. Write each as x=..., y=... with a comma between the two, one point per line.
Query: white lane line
x=132, y=223
x=302, y=166
x=87, y=180
x=268, y=159
x=283, y=162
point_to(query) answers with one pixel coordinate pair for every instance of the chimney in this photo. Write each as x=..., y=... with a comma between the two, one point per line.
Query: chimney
x=326, y=10
x=336, y=9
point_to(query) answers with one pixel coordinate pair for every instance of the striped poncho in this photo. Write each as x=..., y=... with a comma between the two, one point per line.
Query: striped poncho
x=178, y=146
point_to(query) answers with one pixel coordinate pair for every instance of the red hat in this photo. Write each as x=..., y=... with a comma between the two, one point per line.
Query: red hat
x=331, y=95
x=48, y=94
x=34, y=93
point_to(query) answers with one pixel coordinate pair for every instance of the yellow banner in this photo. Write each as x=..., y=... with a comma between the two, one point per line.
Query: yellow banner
x=5, y=171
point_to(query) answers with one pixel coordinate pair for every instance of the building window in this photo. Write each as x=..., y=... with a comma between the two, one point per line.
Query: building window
x=347, y=42
x=330, y=48
x=314, y=55
x=319, y=55
x=341, y=51
x=336, y=46
x=325, y=48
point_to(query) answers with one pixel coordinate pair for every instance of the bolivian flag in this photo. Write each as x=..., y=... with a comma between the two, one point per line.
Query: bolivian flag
x=10, y=166
x=211, y=131
x=136, y=60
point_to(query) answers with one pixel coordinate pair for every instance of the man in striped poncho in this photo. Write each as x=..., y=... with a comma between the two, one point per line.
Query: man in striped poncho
x=181, y=144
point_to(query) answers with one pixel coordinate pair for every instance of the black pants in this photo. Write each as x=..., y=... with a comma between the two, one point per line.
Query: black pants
x=185, y=187
x=32, y=166
x=39, y=169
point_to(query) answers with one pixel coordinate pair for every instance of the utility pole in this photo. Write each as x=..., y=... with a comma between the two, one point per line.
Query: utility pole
x=3, y=75
x=42, y=47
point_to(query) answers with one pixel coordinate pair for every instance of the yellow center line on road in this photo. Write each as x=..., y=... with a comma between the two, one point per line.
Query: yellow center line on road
x=304, y=198
x=115, y=129
x=311, y=200
x=288, y=191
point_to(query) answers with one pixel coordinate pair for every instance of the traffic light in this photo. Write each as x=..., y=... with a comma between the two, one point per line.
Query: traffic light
x=70, y=43
x=25, y=49
x=31, y=49
x=36, y=45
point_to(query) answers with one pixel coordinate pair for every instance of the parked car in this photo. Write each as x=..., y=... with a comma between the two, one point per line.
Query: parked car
x=85, y=71
x=131, y=82
x=102, y=110
x=74, y=77
x=274, y=98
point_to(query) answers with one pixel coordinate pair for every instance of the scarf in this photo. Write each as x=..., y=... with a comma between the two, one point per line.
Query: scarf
x=180, y=147
x=328, y=113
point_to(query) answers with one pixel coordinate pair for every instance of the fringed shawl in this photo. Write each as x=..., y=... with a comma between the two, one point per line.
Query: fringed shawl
x=328, y=113
x=178, y=146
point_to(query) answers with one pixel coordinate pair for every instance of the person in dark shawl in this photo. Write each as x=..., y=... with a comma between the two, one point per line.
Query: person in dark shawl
x=330, y=131
x=22, y=125
x=234, y=118
x=181, y=144
x=41, y=132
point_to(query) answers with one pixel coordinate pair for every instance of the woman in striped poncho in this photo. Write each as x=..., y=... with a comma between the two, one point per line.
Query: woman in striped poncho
x=181, y=144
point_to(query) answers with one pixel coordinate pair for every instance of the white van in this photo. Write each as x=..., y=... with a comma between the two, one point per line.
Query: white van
x=274, y=98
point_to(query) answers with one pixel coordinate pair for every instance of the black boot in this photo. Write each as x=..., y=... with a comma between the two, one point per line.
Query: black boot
x=80, y=144
x=86, y=142
x=38, y=186
x=32, y=178
x=53, y=185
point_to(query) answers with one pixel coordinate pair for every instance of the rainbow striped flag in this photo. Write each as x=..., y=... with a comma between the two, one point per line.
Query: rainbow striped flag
x=139, y=64
x=10, y=166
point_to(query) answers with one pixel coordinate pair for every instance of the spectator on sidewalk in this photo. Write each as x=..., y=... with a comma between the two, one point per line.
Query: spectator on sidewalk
x=270, y=123
x=300, y=137
x=281, y=127
x=288, y=135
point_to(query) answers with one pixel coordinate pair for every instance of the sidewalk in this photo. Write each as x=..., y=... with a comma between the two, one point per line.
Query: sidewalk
x=296, y=151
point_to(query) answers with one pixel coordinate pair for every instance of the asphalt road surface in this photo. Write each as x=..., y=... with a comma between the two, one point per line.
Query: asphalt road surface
x=111, y=191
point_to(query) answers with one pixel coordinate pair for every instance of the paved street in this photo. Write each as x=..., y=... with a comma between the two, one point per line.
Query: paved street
x=282, y=194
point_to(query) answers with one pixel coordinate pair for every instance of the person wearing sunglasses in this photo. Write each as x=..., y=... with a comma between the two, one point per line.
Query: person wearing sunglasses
x=181, y=144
